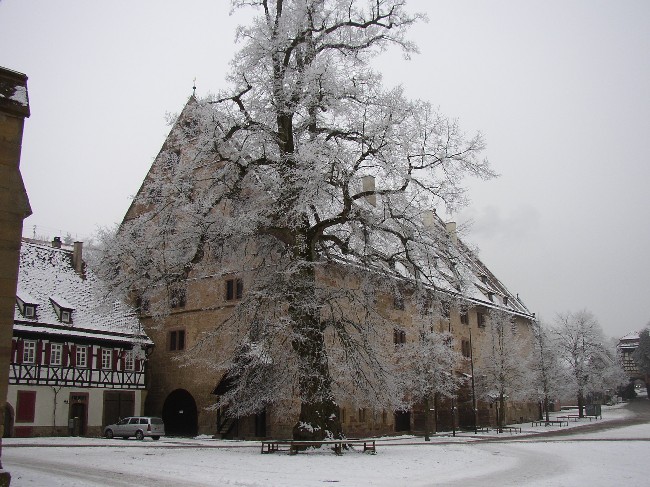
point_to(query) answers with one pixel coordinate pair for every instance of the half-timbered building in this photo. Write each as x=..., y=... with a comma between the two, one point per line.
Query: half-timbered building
x=77, y=360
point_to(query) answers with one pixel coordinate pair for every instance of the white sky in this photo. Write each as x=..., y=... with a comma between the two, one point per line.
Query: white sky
x=559, y=89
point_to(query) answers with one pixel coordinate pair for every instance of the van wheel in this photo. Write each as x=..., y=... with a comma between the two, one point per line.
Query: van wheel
x=108, y=434
x=156, y=438
x=139, y=435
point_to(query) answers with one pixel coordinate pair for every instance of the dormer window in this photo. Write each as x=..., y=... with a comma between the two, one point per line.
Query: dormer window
x=505, y=300
x=62, y=309
x=490, y=296
x=26, y=304
x=484, y=279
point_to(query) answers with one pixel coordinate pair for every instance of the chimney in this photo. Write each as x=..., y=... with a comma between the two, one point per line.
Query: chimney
x=56, y=242
x=429, y=218
x=451, y=230
x=368, y=183
x=77, y=258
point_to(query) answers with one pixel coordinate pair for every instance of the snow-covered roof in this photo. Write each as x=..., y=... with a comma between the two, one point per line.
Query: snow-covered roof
x=46, y=276
x=633, y=335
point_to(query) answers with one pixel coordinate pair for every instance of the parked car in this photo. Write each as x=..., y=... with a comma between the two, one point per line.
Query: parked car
x=138, y=426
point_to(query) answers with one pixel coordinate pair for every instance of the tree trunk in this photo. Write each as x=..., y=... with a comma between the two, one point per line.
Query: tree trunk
x=546, y=403
x=427, y=415
x=319, y=413
x=502, y=412
x=581, y=405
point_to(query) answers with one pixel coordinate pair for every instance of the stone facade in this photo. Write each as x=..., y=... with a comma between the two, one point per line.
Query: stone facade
x=14, y=208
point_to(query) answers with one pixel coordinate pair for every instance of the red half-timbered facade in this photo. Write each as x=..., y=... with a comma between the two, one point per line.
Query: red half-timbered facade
x=77, y=362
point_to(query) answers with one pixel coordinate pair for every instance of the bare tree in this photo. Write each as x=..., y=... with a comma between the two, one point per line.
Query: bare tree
x=642, y=357
x=549, y=375
x=304, y=167
x=591, y=364
x=504, y=371
x=427, y=367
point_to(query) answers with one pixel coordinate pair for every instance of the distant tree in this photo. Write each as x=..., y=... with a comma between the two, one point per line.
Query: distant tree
x=548, y=374
x=642, y=357
x=504, y=371
x=591, y=364
x=304, y=165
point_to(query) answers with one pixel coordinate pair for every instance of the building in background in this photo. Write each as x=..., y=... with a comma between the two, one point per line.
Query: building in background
x=627, y=345
x=14, y=208
x=183, y=396
x=77, y=359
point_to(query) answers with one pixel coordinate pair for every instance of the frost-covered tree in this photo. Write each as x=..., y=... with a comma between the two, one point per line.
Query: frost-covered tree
x=504, y=370
x=306, y=166
x=548, y=373
x=592, y=366
x=427, y=367
x=642, y=356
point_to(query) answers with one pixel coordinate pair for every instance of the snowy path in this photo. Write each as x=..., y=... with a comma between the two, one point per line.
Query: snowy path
x=611, y=452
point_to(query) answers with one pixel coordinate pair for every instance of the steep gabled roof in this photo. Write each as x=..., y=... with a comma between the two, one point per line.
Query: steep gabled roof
x=46, y=276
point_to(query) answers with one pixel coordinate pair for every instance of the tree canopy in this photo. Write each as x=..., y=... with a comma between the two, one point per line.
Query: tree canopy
x=304, y=165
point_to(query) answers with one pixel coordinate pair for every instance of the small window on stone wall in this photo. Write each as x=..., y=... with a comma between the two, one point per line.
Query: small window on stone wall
x=177, y=340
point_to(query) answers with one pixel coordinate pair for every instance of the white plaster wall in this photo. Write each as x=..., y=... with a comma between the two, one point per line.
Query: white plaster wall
x=44, y=413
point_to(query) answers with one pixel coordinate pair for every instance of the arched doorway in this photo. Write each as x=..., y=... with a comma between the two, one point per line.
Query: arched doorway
x=402, y=421
x=179, y=414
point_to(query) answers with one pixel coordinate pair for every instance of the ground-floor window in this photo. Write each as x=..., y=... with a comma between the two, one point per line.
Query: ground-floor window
x=25, y=406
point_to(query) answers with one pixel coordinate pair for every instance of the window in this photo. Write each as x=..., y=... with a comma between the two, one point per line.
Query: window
x=25, y=406
x=30, y=311
x=142, y=304
x=177, y=298
x=362, y=415
x=480, y=318
x=129, y=360
x=490, y=296
x=505, y=300
x=399, y=336
x=107, y=358
x=465, y=348
x=29, y=352
x=444, y=311
x=234, y=289
x=464, y=317
x=56, y=353
x=177, y=340
x=66, y=316
x=398, y=301
x=82, y=356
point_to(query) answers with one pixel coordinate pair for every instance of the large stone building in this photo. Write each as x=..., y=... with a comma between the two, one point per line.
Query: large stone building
x=183, y=395
x=14, y=208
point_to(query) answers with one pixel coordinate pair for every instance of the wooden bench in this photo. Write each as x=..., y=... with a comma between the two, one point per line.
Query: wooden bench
x=551, y=422
x=509, y=429
x=478, y=429
x=294, y=446
x=569, y=417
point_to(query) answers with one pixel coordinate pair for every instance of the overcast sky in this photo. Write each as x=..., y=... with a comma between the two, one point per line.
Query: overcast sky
x=560, y=89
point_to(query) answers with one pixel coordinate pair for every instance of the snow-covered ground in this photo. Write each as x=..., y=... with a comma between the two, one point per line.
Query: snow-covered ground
x=616, y=456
